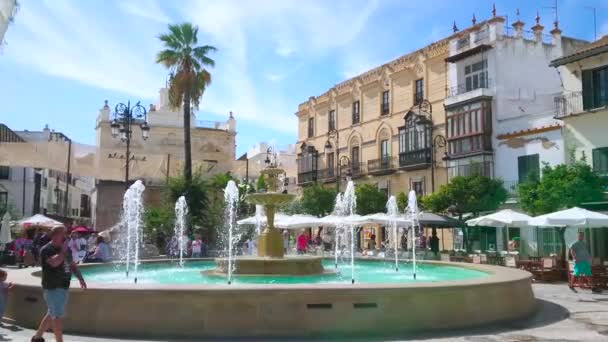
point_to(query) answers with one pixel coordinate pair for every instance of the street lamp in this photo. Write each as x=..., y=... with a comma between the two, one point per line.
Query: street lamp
x=335, y=135
x=125, y=117
x=57, y=192
x=268, y=161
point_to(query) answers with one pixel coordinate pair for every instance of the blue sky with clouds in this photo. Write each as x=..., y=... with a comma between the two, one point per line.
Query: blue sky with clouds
x=63, y=58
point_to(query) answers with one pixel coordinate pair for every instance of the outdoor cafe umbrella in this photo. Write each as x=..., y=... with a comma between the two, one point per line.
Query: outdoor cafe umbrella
x=5, y=232
x=39, y=220
x=501, y=219
x=283, y=221
x=337, y=220
x=385, y=219
x=81, y=230
x=574, y=217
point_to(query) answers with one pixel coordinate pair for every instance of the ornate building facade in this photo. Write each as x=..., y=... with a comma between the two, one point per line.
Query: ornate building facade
x=385, y=126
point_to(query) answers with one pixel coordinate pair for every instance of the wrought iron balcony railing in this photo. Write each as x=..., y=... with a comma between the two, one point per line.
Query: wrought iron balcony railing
x=415, y=159
x=385, y=164
x=483, y=83
x=578, y=102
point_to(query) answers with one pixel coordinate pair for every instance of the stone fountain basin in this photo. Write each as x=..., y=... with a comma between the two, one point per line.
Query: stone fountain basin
x=280, y=311
x=269, y=198
x=261, y=266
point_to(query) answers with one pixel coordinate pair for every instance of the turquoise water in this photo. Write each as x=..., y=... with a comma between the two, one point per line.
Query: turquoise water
x=366, y=272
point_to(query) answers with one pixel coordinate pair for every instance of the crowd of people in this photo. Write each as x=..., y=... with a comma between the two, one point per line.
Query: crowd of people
x=190, y=248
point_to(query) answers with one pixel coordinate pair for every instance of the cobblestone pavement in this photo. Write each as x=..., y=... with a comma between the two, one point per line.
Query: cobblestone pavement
x=562, y=316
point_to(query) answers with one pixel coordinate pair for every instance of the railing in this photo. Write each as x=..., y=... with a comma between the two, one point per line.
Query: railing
x=327, y=175
x=463, y=43
x=482, y=36
x=307, y=177
x=511, y=187
x=381, y=165
x=356, y=170
x=477, y=168
x=418, y=158
x=577, y=102
x=528, y=35
x=209, y=124
x=463, y=88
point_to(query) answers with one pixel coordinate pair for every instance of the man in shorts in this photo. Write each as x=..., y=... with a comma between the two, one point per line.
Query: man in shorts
x=57, y=269
x=582, y=262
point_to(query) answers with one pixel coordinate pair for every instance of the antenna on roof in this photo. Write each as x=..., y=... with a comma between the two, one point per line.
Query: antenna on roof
x=594, y=22
x=554, y=8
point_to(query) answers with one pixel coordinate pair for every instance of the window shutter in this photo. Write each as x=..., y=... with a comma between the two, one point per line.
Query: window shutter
x=587, y=76
x=600, y=160
x=521, y=168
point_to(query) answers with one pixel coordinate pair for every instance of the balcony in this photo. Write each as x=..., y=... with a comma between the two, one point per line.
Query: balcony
x=307, y=177
x=357, y=170
x=577, y=103
x=327, y=175
x=381, y=166
x=485, y=168
x=465, y=92
x=415, y=160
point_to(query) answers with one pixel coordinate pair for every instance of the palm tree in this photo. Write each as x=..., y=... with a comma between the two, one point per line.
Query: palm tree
x=188, y=77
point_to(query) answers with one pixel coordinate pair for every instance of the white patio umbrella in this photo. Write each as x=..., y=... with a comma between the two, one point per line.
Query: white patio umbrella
x=385, y=219
x=39, y=220
x=337, y=220
x=574, y=217
x=5, y=231
x=283, y=221
x=501, y=219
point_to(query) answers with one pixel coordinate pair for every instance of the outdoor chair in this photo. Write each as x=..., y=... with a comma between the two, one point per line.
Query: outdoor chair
x=546, y=271
x=510, y=261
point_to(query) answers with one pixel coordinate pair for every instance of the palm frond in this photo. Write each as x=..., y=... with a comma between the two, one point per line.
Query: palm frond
x=189, y=33
x=170, y=41
x=168, y=58
x=200, y=53
x=177, y=33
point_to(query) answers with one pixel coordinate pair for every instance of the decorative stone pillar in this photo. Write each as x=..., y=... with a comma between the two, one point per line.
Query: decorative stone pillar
x=538, y=29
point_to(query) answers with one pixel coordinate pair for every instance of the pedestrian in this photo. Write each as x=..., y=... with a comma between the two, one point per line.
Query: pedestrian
x=4, y=289
x=285, y=241
x=302, y=243
x=101, y=253
x=57, y=269
x=582, y=263
x=197, y=246
x=404, y=241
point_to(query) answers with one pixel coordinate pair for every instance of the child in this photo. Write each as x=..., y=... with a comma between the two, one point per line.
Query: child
x=197, y=246
x=4, y=288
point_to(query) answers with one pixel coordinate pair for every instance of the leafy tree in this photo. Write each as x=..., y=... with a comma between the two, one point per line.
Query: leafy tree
x=401, y=201
x=318, y=200
x=472, y=194
x=158, y=224
x=188, y=77
x=370, y=200
x=260, y=184
x=562, y=186
x=198, y=196
x=292, y=208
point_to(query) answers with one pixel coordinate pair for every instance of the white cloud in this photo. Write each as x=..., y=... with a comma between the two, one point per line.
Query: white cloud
x=274, y=77
x=284, y=51
x=603, y=30
x=147, y=9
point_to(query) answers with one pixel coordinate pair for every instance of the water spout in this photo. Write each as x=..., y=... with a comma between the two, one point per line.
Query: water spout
x=393, y=211
x=130, y=226
x=412, y=210
x=349, y=201
x=231, y=196
x=181, y=213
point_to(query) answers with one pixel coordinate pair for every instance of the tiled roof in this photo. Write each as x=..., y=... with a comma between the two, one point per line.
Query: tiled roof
x=597, y=47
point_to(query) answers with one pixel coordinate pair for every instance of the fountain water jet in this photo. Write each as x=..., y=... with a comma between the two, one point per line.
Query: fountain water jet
x=130, y=226
x=412, y=210
x=393, y=211
x=349, y=201
x=181, y=214
x=231, y=196
x=338, y=211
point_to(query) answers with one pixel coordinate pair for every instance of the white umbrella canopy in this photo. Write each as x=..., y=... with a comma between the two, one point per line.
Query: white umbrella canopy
x=574, y=217
x=39, y=220
x=385, y=219
x=283, y=221
x=5, y=232
x=501, y=219
x=337, y=220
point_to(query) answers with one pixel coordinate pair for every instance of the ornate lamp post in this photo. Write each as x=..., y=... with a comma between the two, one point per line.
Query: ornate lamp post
x=125, y=117
x=335, y=136
x=57, y=192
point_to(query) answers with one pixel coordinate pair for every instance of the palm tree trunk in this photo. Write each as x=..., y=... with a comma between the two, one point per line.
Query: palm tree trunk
x=187, y=142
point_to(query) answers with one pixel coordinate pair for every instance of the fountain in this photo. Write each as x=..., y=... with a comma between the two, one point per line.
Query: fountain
x=349, y=203
x=412, y=210
x=130, y=225
x=181, y=214
x=270, y=259
x=393, y=211
x=338, y=211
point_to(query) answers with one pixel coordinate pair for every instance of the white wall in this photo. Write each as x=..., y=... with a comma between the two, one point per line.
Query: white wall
x=14, y=186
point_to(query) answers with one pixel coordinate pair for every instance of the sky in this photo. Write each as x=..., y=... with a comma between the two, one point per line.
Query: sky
x=63, y=58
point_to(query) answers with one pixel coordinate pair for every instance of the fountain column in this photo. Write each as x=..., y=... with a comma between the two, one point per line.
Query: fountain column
x=270, y=242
